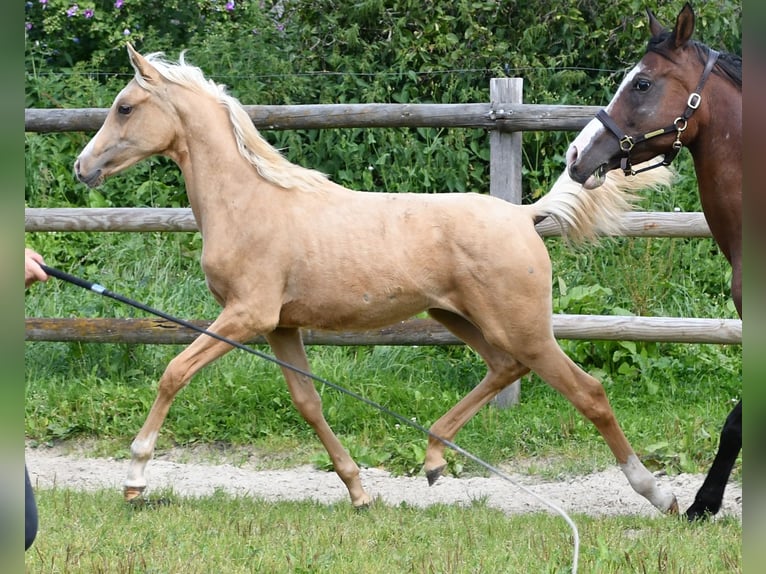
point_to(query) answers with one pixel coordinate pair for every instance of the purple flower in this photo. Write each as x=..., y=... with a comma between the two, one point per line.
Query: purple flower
x=72, y=10
x=28, y=25
x=118, y=4
x=126, y=32
x=88, y=13
x=44, y=3
x=230, y=6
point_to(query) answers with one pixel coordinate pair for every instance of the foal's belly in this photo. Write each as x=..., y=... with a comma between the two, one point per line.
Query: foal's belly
x=350, y=310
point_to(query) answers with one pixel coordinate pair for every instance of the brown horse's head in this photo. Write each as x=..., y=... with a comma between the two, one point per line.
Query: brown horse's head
x=650, y=115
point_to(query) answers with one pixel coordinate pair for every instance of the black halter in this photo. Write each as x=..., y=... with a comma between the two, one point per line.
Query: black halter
x=678, y=126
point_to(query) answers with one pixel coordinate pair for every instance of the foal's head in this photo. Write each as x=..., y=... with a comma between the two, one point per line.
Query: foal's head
x=168, y=107
x=140, y=123
x=654, y=111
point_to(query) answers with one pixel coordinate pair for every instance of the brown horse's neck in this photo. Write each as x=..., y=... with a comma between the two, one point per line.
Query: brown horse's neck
x=717, y=154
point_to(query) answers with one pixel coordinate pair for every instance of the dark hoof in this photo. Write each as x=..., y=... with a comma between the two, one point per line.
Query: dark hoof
x=434, y=474
x=698, y=513
x=132, y=492
x=362, y=508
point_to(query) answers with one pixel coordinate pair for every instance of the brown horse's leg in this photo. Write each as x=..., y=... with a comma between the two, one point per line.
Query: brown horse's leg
x=199, y=353
x=736, y=284
x=288, y=347
x=502, y=370
x=588, y=396
x=709, y=497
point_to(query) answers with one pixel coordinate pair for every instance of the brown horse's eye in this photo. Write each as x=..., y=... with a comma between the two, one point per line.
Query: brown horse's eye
x=642, y=85
x=124, y=109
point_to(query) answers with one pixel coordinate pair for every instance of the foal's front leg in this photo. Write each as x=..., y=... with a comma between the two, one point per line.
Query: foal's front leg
x=200, y=352
x=288, y=347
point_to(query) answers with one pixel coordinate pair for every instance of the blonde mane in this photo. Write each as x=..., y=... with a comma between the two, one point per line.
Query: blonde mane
x=266, y=159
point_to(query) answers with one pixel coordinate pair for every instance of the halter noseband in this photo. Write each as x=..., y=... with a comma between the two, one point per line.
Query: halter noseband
x=678, y=126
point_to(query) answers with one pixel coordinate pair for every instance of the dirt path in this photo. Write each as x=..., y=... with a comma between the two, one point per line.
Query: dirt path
x=598, y=494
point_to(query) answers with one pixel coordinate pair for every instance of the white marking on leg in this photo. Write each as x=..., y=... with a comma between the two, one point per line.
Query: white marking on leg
x=141, y=451
x=644, y=483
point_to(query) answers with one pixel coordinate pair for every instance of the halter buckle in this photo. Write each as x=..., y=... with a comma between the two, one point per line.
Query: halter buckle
x=694, y=100
x=626, y=143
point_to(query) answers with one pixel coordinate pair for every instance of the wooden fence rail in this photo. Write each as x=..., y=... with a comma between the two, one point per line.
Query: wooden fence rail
x=138, y=219
x=506, y=117
x=410, y=332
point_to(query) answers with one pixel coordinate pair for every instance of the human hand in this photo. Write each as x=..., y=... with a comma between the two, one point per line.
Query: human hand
x=32, y=270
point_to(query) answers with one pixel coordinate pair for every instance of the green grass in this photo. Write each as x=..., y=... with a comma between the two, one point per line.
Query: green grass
x=98, y=532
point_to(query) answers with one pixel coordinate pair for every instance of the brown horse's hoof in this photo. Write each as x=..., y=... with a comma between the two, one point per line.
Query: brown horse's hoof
x=434, y=474
x=131, y=493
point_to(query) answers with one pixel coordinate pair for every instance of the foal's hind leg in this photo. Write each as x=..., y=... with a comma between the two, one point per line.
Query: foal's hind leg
x=709, y=496
x=200, y=352
x=502, y=370
x=288, y=347
x=588, y=396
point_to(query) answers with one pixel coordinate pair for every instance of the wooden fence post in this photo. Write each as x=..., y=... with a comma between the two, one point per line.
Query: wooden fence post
x=505, y=177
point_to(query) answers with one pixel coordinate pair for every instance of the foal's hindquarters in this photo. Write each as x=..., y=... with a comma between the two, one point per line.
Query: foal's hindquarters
x=510, y=327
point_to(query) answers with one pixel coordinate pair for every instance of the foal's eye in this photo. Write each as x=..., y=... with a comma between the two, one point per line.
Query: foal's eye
x=124, y=109
x=642, y=85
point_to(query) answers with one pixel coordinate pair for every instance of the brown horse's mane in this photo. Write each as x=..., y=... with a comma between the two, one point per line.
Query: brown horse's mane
x=729, y=66
x=266, y=159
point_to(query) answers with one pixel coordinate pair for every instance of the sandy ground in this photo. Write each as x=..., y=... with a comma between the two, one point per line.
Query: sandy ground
x=190, y=474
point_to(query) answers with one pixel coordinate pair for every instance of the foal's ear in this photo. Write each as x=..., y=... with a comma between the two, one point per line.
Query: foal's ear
x=141, y=65
x=684, y=29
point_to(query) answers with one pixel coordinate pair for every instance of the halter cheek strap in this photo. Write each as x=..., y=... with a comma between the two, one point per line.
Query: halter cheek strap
x=627, y=142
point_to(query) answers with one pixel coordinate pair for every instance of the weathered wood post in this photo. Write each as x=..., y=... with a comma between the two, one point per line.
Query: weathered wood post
x=505, y=177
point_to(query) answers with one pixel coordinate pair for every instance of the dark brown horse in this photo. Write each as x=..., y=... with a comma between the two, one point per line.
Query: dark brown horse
x=681, y=93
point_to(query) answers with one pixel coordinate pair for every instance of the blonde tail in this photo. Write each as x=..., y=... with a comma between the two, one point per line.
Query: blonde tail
x=583, y=214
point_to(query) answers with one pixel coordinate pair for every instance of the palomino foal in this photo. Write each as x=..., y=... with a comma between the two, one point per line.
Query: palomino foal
x=285, y=248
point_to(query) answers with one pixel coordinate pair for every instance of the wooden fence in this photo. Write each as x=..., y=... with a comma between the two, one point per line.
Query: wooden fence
x=505, y=117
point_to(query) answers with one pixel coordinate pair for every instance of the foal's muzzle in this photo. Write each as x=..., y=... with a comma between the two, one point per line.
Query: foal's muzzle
x=92, y=179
